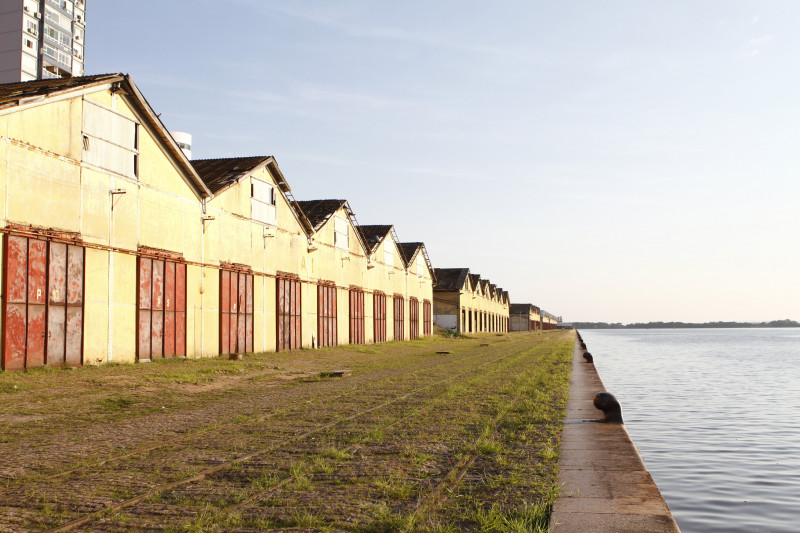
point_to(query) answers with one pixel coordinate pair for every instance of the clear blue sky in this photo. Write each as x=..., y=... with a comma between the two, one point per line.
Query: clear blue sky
x=616, y=161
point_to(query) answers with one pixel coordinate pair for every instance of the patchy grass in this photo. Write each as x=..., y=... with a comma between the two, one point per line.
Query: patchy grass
x=407, y=442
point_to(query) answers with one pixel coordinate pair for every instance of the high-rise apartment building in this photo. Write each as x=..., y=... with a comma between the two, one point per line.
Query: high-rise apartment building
x=41, y=39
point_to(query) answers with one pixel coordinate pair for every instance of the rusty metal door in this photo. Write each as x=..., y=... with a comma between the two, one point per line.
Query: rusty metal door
x=357, y=334
x=379, y=316
x=413, y=319
x=289, y=314
x=161, y=318
x=327, y=330
x=236, y=312
x=43, y=310
x=399, y=318
x=427, y=318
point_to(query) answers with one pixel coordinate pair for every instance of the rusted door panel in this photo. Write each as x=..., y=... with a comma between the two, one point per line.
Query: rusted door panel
x=169, y=333
x=169, y=309
x=224, y=332
x=240, y=334
x=75, y=275
x=224, y=311
x=169, y=287
x=14, y=321
x=16, y=268
x=158, y=286
x=73, y=355
x=233, y=332
x=145, y=282
x=180, y=333
x=56, y=334
x=180, y=310
x=14, y=337
x=249, y=308
x=249, y=333
x=157, y=334
x=36, y=334
x=242, y=296
x=58, y=274
x=37, y=273
x=180, y=289
x=292, y=331
x=37, y=301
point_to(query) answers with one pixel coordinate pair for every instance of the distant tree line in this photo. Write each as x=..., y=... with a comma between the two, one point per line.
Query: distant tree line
x=677, y=325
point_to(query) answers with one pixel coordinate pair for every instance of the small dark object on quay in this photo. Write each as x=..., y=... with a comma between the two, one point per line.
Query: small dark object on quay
x=588, y=357
x=607, y=402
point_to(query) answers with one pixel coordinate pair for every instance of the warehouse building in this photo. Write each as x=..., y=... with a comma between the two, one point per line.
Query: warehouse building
x=106, y=222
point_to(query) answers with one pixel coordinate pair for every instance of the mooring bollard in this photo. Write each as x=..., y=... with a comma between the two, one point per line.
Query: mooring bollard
x=588, y=357
x=607, y=402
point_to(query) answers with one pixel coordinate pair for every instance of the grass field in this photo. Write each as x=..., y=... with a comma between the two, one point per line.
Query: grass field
x=410, y=440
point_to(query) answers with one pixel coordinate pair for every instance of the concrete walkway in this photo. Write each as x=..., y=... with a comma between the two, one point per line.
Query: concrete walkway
x=605, y=485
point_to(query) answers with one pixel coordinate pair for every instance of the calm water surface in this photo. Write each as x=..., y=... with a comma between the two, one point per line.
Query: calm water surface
x=715, y=414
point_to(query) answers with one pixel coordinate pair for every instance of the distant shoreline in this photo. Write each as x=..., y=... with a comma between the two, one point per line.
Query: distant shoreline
x=686, y=325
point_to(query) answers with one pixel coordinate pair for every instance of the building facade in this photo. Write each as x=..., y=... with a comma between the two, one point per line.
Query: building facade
x=467, y=303
x=105, y=222
x=41, y=39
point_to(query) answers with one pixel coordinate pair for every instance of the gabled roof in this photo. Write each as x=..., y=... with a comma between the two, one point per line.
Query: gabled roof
x=409, y=250
x=374, y=235
x=319, y=212
x=450, y=279
x=520, y=309
x=17, y=93
x=40, y=91
x=475, y=280
x=218, y=174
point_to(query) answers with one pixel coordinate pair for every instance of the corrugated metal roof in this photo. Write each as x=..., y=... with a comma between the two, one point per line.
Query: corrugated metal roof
x=319, y=211
x=409, y=250
x=475, y=280
x=11, y=92
x=450, y=279
x=374, y=235
x=219, y=173
x=520, y=309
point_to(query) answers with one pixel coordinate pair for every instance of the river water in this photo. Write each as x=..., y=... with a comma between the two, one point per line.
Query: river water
x=715, y=414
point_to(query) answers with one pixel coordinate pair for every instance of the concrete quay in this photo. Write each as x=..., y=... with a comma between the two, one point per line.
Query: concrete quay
x=605, y=484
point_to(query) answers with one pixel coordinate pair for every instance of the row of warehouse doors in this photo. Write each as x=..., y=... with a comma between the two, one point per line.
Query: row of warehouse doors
x=43, y=314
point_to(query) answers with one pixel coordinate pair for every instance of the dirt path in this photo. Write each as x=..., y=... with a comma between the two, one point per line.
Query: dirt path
x=411, y=440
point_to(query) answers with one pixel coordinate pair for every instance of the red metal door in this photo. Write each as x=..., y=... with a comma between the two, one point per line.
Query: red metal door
x=289, y=318
x=427, y=318
x=74, y=329
x=161, y=309
x=357, y=335
x=180, y=309
x=43, y=310
x=169, y=310
x=236, y=312
x=37, y=303
x=399, y=318
x=327, y=330
x=379, y=318
x=413, y=319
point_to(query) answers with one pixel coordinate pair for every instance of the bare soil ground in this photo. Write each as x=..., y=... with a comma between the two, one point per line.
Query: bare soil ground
x=411, y=440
